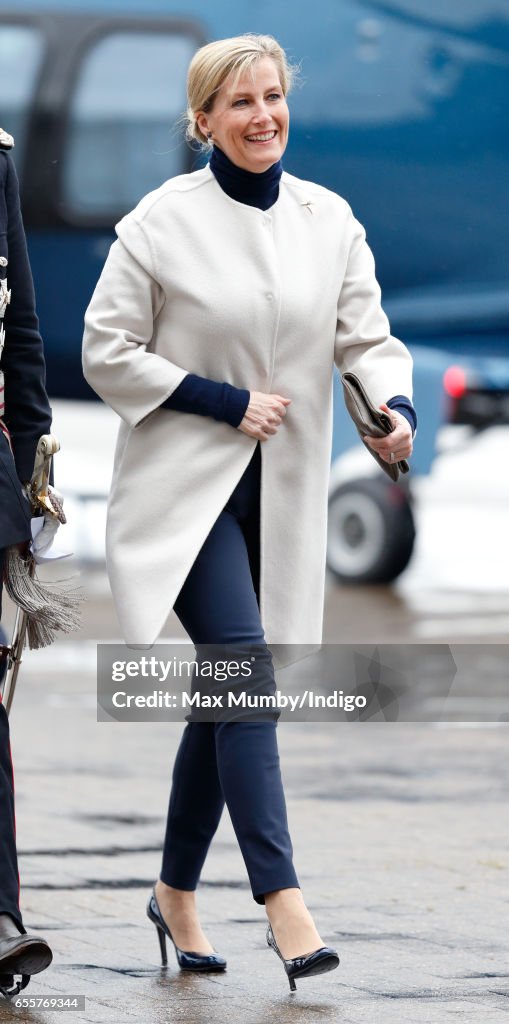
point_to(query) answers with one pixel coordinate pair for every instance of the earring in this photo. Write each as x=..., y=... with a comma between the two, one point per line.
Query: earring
x=209, y=137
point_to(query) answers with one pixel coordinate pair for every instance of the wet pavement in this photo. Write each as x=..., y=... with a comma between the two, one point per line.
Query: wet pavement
x=401, y=843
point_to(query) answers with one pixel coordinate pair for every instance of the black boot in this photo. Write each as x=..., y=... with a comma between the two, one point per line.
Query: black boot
x=20, y=954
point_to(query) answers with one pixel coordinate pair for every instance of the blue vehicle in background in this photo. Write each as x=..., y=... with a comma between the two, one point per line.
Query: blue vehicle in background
x=401, y=108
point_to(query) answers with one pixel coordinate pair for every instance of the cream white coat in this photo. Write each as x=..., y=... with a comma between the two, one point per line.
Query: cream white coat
x=269, y=301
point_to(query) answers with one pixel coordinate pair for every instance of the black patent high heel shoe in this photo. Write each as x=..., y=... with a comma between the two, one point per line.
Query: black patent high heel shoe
x=187, y=961
x=318, y=962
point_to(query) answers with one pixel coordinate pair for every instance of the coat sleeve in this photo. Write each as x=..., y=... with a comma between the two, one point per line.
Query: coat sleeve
x=119, y=325
x=27, y=409
x=363, y=343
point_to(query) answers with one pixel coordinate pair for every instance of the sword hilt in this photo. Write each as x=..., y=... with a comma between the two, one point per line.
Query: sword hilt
x=42, y=496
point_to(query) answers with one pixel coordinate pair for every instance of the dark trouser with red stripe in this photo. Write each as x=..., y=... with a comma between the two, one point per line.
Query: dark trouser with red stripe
x=9, y=882
x=9, y=879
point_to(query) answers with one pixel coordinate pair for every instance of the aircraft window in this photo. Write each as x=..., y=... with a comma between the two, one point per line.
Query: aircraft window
x=122, y=140
x=21, y=51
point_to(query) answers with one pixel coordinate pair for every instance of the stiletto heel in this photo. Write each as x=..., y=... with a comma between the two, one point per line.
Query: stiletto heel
x=187, y=961
x=318, y=962
x=162, y=942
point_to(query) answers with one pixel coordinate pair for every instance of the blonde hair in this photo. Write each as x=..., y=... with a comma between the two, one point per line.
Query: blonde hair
x=214, y=62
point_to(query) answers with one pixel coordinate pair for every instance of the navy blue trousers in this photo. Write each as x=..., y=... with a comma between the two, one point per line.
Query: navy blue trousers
x=232, y=762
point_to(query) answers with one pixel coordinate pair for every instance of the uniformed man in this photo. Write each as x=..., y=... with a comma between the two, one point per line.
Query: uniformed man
x=25, y=414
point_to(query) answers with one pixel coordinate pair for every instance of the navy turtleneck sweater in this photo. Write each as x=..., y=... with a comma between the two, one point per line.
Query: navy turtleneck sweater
x=254, y=189
x=224, y=401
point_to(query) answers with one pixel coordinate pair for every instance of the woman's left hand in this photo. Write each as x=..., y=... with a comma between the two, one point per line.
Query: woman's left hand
x=396, y=445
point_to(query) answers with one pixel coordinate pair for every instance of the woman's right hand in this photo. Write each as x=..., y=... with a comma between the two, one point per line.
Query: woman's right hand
x=263, y=415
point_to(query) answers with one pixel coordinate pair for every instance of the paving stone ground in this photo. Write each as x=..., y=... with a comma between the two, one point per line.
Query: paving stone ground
x=401, y=840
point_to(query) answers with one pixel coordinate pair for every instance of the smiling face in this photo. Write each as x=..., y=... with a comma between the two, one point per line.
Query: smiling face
x=249, y=120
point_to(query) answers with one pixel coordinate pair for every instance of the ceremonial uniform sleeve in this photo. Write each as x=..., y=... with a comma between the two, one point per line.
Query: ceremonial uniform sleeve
x=27, y=409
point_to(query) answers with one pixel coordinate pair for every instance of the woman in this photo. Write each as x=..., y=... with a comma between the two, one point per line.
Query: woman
x=213, y=332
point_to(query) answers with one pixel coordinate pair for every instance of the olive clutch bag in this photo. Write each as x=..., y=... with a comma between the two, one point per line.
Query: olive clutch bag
x=369, y=420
